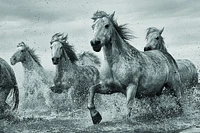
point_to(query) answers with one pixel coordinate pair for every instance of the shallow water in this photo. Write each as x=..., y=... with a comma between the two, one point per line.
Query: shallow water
x=47, y=112
x=160, y=114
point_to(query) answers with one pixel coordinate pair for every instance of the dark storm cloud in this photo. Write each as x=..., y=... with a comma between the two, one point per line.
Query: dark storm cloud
x=35, y=21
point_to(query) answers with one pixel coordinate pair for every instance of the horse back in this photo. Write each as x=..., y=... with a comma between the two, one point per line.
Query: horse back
x=158, y=68
x=188, y=72
x=161, y=58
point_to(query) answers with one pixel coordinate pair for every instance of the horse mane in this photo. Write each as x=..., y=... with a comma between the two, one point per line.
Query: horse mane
x=31, y=51
x=123, y=31
x=69, y=49
x=91, y=56
x=70, y=52
x=154, y=29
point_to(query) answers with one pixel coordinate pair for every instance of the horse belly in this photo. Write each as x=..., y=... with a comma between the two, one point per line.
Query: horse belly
x=151, y=85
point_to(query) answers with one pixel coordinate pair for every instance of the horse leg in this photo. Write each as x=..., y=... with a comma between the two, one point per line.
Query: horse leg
x=177, y=88
x=130, y=95
x=102, y=89
x=96, y=117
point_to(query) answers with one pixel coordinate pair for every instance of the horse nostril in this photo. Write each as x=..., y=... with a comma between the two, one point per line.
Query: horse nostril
x=92, y=43
x=97, y=42
x=14, y=59
x=147, y=48
x=55, y=60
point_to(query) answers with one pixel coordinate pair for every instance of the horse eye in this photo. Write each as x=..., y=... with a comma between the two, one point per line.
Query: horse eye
x=22, y=51
x=106, y=26
x=157, y=38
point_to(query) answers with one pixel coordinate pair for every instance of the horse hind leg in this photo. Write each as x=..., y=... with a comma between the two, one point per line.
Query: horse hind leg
x=176, y=88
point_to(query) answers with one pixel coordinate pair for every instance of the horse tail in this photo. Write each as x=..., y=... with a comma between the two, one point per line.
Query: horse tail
x=195, y=76
x=16, y=97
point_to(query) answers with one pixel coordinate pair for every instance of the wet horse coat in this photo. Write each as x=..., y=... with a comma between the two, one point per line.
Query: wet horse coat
x=187, y=70
x=35, y=77
x=126, y=70
x=7, y=83
x=71, y=77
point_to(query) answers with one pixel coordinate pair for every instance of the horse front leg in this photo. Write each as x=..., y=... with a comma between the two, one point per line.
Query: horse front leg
x=96, y=117
x=108, y=88
x=130, y=96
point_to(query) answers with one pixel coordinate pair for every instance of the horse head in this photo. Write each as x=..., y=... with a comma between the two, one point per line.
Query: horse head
x=102, y=28
x=61, y=48
x=19, y=55
x=154, y=39
x=56, y=46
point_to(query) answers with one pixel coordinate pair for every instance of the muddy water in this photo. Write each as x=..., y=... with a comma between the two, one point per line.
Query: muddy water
x=160, y=114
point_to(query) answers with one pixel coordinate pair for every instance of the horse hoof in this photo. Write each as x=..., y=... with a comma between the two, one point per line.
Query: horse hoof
x=96, y=117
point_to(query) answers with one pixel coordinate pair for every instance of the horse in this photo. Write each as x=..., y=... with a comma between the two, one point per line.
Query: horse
x=8, y=83
x=187, y=70
x=70, y=77
x=35, y=77
x=126, y=70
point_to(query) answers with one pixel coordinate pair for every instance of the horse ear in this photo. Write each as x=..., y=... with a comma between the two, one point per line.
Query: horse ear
x=64, y=38
x=111, y=15
x=161, y=30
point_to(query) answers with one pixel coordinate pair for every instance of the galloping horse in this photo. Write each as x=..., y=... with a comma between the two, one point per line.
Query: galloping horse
x=35, y=77
x=187, y=70
x=7, y=83
x=70, y=76
x=127, y=70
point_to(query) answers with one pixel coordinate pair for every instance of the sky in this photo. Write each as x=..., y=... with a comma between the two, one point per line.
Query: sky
x=35, y=21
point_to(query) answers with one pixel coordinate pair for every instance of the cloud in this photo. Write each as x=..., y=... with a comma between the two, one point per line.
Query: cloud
x=35, y=21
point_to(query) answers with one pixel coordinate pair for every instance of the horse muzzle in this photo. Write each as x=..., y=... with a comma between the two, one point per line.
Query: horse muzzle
x=13, y=61
x=96, y=45
x=147, y=48
x=55, y=60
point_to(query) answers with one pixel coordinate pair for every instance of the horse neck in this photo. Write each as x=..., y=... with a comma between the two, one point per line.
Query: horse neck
x=162, y=46
x=30, y=65
x=65, y=65
x=118, y=48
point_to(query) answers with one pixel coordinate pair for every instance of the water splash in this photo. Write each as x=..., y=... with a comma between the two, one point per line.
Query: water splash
x=43, y=107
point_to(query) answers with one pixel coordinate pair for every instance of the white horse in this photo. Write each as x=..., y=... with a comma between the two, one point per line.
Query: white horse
x=127, y=70
x=70, y=77
x=187, y=70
